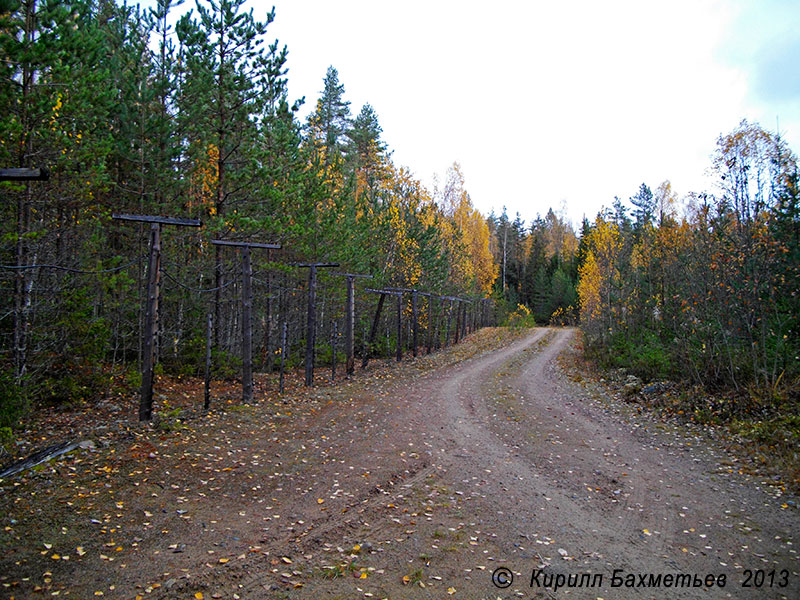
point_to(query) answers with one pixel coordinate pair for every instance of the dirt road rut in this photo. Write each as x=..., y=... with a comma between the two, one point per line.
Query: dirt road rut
x=500, y=477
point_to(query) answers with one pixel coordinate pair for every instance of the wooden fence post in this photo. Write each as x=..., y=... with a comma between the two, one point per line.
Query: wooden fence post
x=415, y=321
x=284, y=335
x=247, y=311
x=350, y=320
x=374, y=329
x=207, y=378
x=458, y=320
x=311, y=321
x=334, y=332
x=349, y=326
x=151, y=308
x=150, y=315
x=429, y=337
x=384, y=293
x=449, y=322
x=399, y=352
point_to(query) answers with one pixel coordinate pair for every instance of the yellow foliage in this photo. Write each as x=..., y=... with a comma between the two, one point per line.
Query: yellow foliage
x=466, y=233
x=204, y=181
x=598, y=276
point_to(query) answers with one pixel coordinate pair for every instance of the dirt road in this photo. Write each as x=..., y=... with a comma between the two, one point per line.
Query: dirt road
x=490, y=470
x=502, y=465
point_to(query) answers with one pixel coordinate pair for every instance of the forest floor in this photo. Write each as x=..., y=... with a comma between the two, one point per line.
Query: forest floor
x=446, y=476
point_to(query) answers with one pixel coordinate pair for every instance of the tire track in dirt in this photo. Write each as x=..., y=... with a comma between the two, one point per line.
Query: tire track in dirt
x=570, y=474
x=502, y=460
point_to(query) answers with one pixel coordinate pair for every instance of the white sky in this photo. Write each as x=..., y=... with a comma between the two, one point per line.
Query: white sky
x=552, y=103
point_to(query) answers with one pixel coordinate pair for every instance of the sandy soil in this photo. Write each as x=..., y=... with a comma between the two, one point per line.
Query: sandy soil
x=420, y=481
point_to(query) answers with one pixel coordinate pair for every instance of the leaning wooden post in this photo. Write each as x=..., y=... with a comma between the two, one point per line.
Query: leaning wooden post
x=311, y=321
x=350, y=320
x=247, y=311
x=384, y=293
x=151, y=308
x=374, y=329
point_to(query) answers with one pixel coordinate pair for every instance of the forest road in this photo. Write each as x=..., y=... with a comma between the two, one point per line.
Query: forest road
x=516, y=481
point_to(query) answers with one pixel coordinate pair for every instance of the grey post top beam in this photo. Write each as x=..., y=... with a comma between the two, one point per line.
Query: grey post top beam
x=159, y=220
x=24, y=174
x=351, y=275
x=313, y=264
x=387, y=292
x=246, y=244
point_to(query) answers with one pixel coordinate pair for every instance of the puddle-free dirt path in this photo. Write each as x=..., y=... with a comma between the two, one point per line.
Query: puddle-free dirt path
x=521, y=473
x=496, y=476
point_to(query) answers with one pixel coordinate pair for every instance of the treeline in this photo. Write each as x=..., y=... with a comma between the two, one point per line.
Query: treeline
x=708, y=291
x=537, y=266
x=131, y=115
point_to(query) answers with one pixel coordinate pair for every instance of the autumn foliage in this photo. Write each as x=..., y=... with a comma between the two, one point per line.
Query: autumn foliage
x=132, y=112
x=710, y=295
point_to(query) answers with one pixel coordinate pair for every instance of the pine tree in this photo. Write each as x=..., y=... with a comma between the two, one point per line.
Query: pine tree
x=645, y=206
x=330, y=123
x=224, y=56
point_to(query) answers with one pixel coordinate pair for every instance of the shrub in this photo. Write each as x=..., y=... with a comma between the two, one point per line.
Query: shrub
x=13, y=401
x=521, y=318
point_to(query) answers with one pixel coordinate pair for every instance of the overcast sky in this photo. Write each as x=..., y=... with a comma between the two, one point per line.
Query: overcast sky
x=552, y=103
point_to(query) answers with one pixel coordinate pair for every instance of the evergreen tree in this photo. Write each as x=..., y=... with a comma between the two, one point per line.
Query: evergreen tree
x=220, y=101
x=330, y=123
x=645, y=206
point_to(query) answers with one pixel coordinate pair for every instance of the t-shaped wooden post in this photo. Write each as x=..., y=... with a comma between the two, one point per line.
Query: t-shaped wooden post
x=151, y=308
x=311, y=324
x=247, y=311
